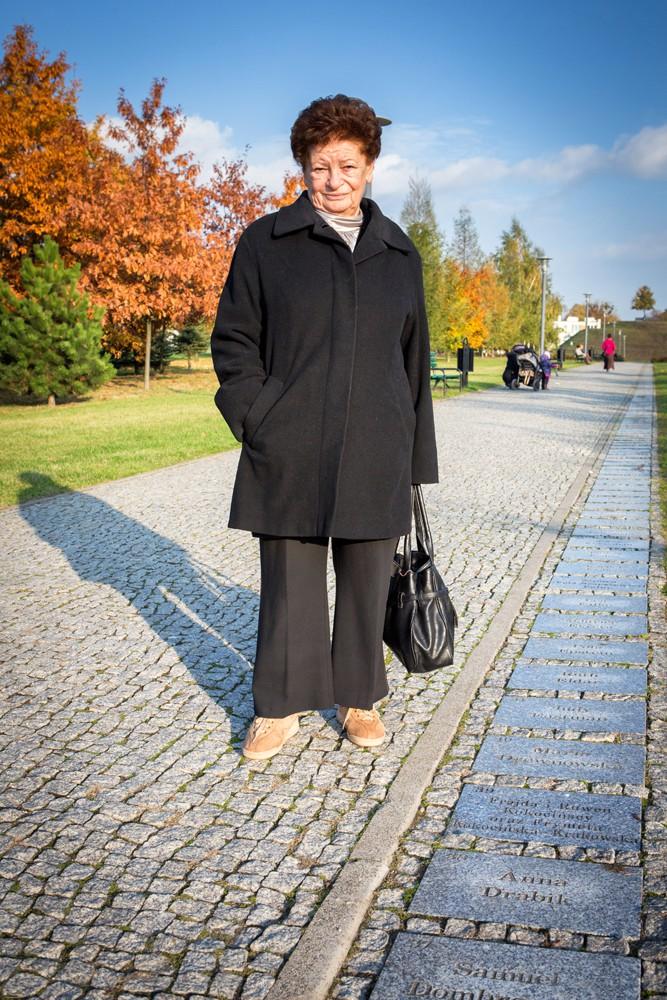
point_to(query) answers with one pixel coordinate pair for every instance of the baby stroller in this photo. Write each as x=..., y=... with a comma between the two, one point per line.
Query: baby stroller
x=523, y=368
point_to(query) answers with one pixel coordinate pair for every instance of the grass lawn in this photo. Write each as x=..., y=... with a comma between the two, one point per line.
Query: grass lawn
x=660, y=376
x=488, y=372
x=119, y=430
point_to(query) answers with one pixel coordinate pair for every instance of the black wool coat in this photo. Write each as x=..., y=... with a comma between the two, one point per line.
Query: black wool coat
x=322, y=355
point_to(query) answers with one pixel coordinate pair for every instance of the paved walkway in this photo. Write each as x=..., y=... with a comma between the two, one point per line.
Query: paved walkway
x=141, y=856
x=547, y=773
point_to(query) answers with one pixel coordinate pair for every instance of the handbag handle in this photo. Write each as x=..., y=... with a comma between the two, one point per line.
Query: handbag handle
x=421, y=528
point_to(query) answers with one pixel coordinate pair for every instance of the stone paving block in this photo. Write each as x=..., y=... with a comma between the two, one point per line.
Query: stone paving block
x=584, y=625
x=421, y=965
x=604, y=651
x=529, y=757
x=589, y=715
x=621, y=603
x=561, y=677
x=581, y=818
x=536, y=892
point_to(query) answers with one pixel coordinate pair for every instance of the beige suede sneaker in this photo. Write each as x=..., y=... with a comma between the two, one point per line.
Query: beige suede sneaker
x=267, y=737
x=362, y=725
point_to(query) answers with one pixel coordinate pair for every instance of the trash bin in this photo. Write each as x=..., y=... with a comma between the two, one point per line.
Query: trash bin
x=465, y=362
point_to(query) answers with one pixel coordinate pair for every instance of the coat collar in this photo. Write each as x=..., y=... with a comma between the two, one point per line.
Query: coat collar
x=375, y=236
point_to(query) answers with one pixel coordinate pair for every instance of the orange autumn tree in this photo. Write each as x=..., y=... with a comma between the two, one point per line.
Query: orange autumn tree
x=231, y=204
x=293, y=184
x=485, y=320
x=140, y=228
x=44, y=149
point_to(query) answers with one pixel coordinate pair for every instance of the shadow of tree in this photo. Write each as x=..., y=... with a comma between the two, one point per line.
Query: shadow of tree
x=208, y=621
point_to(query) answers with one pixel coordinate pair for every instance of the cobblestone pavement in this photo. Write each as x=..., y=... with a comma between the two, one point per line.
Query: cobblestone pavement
x=140, y=855
x=464, y=770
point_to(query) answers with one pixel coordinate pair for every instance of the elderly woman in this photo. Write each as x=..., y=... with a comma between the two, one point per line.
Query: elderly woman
x=321, y=349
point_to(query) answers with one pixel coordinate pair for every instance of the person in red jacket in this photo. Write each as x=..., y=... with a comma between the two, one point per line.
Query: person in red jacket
x=608, y=352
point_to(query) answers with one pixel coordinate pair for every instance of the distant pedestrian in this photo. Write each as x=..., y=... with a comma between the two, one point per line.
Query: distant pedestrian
x=608, y=352
x=321, y=348
x=545, y=362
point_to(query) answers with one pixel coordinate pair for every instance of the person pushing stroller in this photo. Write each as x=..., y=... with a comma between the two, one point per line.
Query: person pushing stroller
x=523, y=368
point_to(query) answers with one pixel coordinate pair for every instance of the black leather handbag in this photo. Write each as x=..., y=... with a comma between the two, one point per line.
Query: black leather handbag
x=420, y=618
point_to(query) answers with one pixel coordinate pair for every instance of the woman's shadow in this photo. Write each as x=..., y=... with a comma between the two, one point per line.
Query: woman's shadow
x=206, y=619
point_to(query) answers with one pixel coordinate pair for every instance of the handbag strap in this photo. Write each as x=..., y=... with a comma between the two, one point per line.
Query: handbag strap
x=422, y=527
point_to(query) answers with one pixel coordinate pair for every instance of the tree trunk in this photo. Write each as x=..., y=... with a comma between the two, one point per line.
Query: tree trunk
x=147, y=360
x=52, y=400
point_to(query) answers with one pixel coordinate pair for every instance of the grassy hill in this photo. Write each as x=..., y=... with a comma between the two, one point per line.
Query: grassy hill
x=646, y=339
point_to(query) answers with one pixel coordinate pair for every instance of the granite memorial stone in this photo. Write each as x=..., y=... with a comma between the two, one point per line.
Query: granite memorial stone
x=616, y=585
x=562, y=677
x=520, y=814
x=608, y=762
x=440, y=968
x=589, y=715
x=535, y=892
x=601, y=624
x=604, y=651
x=596, y=602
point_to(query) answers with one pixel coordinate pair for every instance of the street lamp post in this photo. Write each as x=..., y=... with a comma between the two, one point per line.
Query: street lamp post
x=368, y=191
x=544, y=263
x=587, y=296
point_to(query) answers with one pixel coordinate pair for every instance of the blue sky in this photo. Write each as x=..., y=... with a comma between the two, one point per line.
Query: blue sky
x=556, y=113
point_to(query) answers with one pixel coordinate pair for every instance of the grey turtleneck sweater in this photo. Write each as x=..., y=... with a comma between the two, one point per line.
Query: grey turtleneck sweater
x=347, y=226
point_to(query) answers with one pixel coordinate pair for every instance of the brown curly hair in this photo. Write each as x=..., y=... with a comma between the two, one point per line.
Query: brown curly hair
x=335, y=117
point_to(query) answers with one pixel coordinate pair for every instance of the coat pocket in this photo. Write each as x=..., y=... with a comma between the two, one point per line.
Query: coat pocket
x=268, y=395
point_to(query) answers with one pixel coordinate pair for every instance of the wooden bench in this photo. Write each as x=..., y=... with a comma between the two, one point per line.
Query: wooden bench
x=443, y=376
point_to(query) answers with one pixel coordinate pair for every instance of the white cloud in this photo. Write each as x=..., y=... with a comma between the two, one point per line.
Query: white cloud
x=571, y=163
x=473, y=171
x=643, y=154
x=650, y=246
x=447, y=155
x=208, y=141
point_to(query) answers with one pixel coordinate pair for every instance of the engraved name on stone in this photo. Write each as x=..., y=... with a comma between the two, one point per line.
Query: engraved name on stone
x=440, y=968
x=602, y=624
x=561, y=759
x=601, y=568
x=588, y=820
x=596, y=602
x=581, y=649
x=582, y=715
x=539, y=892
x=613, y=585
x=555, y=677
x=618, y=557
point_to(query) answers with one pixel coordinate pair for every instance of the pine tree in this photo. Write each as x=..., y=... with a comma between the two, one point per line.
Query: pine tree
x=517, y=261
x=50, y=334
x=192, y=340
x=418, y=219
x=465, y=248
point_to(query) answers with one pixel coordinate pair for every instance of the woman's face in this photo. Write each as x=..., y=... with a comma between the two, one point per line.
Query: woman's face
x=336, y=176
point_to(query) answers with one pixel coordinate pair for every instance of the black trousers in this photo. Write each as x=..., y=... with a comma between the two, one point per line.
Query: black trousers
x=297, y=666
